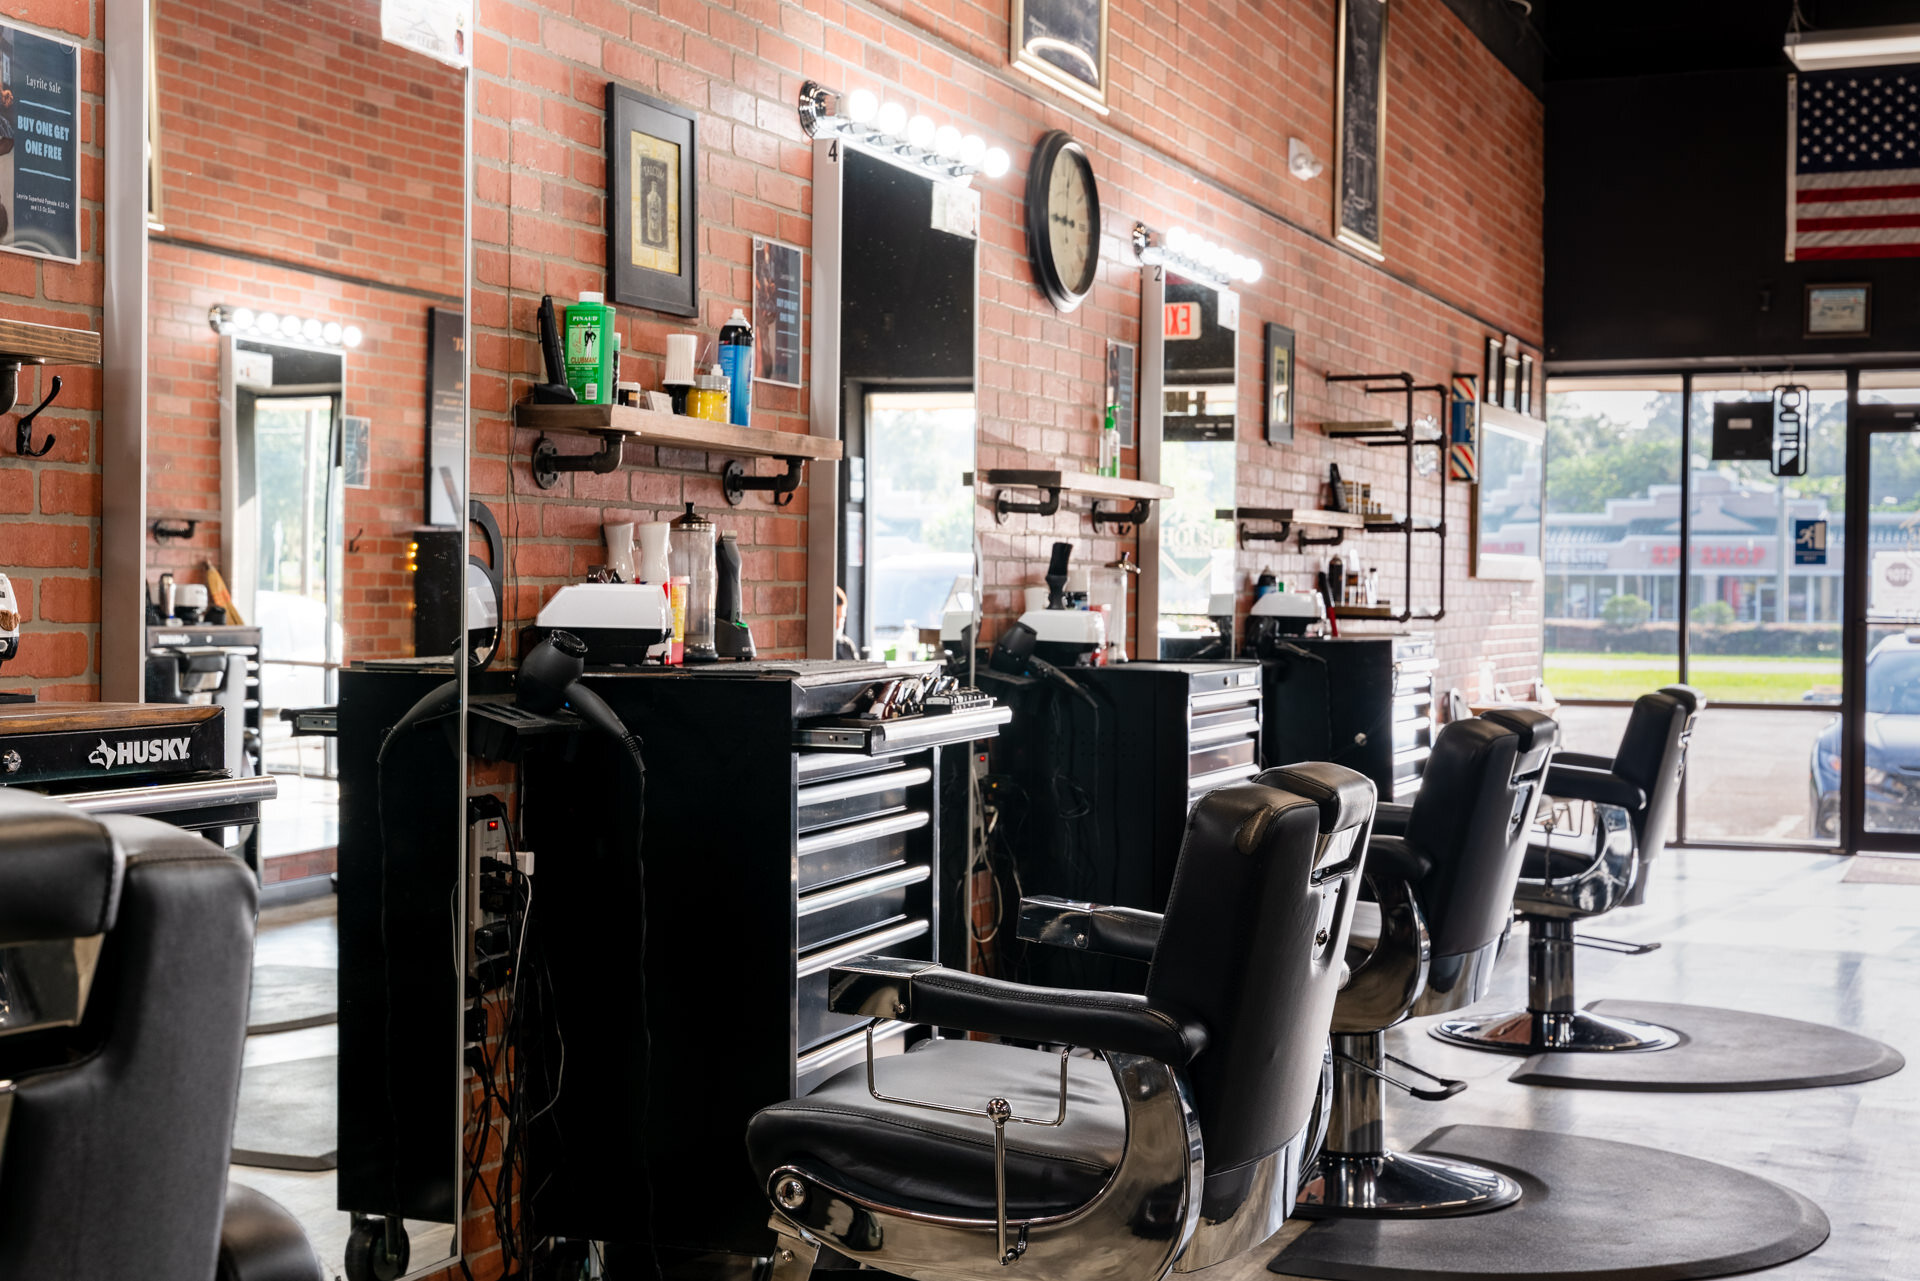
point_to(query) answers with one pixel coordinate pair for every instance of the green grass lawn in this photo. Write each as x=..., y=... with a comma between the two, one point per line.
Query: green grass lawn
x=1727, y=677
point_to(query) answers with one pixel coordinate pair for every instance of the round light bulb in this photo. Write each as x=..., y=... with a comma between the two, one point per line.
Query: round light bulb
x=973, y=149
x=920, y=132
x=351, y=335
x=862, y=106
x=1176, y=240
x=892, y=119
x=242, y=318
x=290, y=326
x=312, y=330
x=267, y=323
x=1253, y=272
x=947, y=141
x=995, y=163
x=331, y=333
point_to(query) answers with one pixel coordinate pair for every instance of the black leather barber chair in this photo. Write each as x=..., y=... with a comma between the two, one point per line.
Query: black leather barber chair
x=1606, y=818
x=126, y=949
x=1439, y=877
x=1182, y=1151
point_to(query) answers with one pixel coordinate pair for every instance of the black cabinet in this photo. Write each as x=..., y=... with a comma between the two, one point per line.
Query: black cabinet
x=686, y=985
x=1092, y=788
x=1365, y=702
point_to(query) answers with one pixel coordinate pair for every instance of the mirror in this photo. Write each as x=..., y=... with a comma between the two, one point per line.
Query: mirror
x=307, y=450
x=903, y=272
x=1511, y=495
x=1199, y=399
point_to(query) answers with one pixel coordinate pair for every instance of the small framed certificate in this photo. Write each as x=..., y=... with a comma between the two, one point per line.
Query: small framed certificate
x=1839, y=311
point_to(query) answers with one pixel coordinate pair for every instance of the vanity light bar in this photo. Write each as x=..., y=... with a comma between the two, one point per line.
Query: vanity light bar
x=1193, y=255
x=862, y=117
x=245, y=322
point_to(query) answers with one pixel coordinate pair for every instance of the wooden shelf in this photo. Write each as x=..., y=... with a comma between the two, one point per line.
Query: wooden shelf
x=1139, y=495
x=1295, y=516
x=678, y=431
x=47, y=344
x=1086, y=484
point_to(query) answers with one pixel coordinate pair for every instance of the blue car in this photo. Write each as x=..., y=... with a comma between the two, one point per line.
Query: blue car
x=1893, y=745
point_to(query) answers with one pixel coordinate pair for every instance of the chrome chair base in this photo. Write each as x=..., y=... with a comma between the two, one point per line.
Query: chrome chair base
x=1402, y=1185
x=1575, y=1032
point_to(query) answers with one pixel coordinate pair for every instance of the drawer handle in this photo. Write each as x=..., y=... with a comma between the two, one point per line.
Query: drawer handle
x=861, y=785
x=872, y=829
x=843, y=894
x=1223, y=698
x=852, y=1045
x=875, y=943
x=1222, y=733
x=1220, y=778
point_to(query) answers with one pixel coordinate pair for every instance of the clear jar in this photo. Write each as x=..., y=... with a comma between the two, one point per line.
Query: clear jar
x=691, y=558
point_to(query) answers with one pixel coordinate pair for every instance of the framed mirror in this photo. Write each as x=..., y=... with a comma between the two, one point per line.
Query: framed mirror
x=306, y=444
x=1192, y=382
x=1509, y=500
x=895, y=318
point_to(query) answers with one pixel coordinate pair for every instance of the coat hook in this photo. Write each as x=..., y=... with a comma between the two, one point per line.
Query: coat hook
x=23, y=435
x=353, y=544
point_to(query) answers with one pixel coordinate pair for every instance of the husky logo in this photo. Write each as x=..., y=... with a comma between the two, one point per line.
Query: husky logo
x=146, y=751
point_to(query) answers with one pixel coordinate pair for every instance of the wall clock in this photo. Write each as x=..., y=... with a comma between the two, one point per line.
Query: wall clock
x=1063, y=220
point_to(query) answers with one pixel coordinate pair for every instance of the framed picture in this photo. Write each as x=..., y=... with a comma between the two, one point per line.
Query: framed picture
x=1063, y=43
x=1839, y=311
x=1279, y=385
x=652, y=256
x=446, y=415
x=1526, y=384
x=776, y=313
x=1120, y=390
x=1463, y=428
x=1360, y=129
x=40, y=159
x=1492, y=371
x=1510, y=499
x=356, y=452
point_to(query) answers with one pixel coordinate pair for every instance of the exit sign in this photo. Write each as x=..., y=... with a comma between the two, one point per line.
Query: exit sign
x=1182, y=320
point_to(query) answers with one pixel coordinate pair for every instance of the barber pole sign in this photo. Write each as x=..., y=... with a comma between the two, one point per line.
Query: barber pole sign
x=1463, y=459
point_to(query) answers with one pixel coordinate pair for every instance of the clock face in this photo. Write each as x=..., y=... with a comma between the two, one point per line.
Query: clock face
x=1063, y=220
x=1072, y=224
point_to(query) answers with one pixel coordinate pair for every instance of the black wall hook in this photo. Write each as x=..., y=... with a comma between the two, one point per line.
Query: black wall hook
x=23, y=432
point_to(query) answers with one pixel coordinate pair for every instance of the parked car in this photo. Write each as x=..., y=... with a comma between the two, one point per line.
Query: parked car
x=1893, y=745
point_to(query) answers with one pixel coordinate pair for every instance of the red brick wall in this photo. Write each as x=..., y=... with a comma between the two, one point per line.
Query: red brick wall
x=50, y=507
x=1203, y=104
x=385, y=381
x=297, y=133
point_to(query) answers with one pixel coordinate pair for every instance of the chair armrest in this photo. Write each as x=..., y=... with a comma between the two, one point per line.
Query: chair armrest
x=1579, y=783
x=1390, y=819
x=260, y=1240
x=922, y=992
x=1392, y=856
x=1586, y=760
x=1125, y=932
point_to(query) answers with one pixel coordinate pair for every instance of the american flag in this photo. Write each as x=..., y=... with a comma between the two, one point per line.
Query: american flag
x=1853, y=172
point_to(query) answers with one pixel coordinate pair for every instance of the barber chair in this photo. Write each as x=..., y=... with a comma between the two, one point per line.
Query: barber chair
x=1607, y=818
x=1182, y=1151
x=126, y=948
x=1439, y=878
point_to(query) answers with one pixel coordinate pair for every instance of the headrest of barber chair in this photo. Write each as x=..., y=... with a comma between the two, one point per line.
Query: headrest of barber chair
x=1538, y=735
x=1686, y=695
x=60, y=872
x=1345, y=798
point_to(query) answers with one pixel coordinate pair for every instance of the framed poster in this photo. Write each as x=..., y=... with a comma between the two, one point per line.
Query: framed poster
x=1120, y=391
x=39, y=145
x=1492, y=371
x=1063, y=43
x=356, y=452
x=1279, y=385
x=1526, y=384
x=652, y=256
x=1463, y=428
x=776, y=313
x=1839, y=311
x=1360, y=129
x=446, y=415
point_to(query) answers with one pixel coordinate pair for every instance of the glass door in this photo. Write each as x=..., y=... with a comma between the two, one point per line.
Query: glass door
x=1880, y=735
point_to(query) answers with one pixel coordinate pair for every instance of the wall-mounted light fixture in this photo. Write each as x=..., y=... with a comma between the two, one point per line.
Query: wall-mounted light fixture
x=1853, y=47
x=1301, y=162
x=1192, y=255
x=888, y=129
x=272, y=326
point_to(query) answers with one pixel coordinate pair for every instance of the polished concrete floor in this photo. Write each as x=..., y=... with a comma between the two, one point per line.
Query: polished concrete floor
x=1744, y=929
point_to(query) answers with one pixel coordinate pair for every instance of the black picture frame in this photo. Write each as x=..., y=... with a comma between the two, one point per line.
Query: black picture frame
x=1827, y=304
x=660, y=271
x=1526, y=383
x=1360, y=128
x=1493, y=371
x=1281, y=376
x=1121, y=390
x=1062, y=43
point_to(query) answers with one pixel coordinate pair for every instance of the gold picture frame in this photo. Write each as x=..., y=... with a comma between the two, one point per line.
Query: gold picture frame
x=1049, y=41
x=1360, y=127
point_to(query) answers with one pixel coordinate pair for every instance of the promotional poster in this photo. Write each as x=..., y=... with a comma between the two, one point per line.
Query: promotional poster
x=39, y=145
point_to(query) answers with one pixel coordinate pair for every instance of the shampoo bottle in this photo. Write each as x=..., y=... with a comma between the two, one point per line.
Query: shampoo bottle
x=736, y=361
x=591, y=347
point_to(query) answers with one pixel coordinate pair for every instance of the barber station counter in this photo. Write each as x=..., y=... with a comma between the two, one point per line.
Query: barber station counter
x=688, y=985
